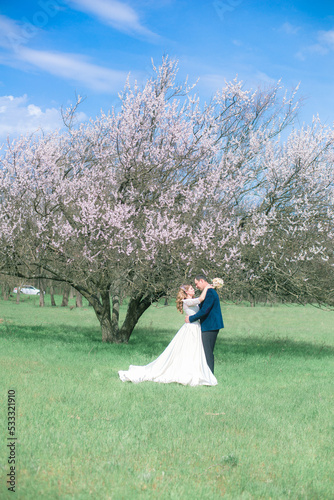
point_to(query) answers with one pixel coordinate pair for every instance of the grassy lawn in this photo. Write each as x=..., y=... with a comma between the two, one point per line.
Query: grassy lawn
x=265, y=432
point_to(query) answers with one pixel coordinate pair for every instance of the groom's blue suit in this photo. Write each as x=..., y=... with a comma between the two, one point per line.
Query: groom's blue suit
x=211, y=320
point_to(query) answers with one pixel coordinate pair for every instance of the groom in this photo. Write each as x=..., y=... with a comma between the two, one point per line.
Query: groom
x=210, y=317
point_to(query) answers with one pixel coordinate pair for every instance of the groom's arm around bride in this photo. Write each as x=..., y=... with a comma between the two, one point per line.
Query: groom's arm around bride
x=209, y=314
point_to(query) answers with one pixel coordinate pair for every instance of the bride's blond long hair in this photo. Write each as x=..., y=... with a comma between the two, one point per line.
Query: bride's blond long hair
x=181, y=295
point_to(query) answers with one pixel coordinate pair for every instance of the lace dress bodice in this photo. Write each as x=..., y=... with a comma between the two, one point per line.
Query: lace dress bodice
x=190, y=307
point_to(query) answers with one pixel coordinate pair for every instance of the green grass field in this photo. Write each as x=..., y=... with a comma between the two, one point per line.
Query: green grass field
x=265, y=432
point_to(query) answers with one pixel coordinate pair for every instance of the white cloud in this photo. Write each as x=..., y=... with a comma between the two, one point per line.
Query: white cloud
x=34, y=110
x=326, y=38
x=325, y=44
x=289, y=29
x=300, y=55
x=238, y=43
x=18, y=117
x=319, y=49
x=74, y=67
x=263, y=78
x=113, y=13
x=10, y=33
x=212, y=82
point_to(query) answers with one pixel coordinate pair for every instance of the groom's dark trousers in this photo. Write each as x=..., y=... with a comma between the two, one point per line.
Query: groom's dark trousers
x=211, y=320
x=209, y=339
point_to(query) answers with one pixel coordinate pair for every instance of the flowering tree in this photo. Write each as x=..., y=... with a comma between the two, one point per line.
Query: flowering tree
x=135, y=202
x=294, y=258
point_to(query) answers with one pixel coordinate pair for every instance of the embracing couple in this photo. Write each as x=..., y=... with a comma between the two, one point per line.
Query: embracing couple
x=188, y=359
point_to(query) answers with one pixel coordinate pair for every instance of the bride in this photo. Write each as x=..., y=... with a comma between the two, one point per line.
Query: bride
x=183, y=360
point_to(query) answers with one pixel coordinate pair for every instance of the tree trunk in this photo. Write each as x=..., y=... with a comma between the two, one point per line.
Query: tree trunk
x=115, y=312
x=137, y=306
x=78, y=299
x=5, y=291
x=103, y=313
x=41, y=295
x=53, y=302
x=65, y=296
x=18, y=295
x=109, y=320
x=251, y=299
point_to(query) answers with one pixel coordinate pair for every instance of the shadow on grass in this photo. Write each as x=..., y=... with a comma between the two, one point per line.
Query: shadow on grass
x=237, y=346
x=59, y=333
x=152, y=341
x=275, y=347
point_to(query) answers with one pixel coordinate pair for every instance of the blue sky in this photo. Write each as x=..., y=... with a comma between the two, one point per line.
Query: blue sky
x=51, y=50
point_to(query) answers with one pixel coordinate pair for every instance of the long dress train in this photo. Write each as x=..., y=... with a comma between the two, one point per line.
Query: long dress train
x=182, y=361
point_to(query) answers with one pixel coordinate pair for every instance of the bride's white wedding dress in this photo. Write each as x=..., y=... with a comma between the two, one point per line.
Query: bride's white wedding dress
x=182, y=361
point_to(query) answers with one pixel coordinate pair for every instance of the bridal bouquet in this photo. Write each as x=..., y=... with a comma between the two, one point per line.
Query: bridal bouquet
x=218, y=283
